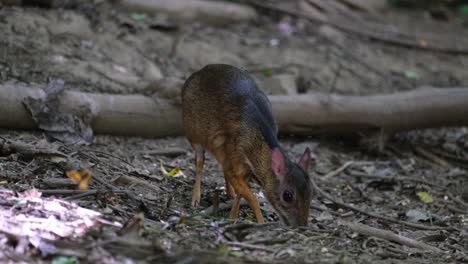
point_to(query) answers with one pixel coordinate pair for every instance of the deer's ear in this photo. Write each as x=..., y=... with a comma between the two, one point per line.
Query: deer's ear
x=304, y=161
x=278, y=164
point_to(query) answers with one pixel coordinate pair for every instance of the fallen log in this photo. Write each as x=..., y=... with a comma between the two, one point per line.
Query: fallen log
x=125, y=115
x=138, y=115
x=417, y=109
x=215, y=12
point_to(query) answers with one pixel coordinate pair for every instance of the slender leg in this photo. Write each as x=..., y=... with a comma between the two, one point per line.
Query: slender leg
x=252, y=201
x=235, y=207
x=199, y=162
x=229, y=189
x=220, y=155
x=243, y=190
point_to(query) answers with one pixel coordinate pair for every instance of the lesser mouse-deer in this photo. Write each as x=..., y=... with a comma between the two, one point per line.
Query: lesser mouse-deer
x=226, y=114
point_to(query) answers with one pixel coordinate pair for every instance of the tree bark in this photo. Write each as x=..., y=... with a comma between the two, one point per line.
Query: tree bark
x=138, y=115
x=417, y=109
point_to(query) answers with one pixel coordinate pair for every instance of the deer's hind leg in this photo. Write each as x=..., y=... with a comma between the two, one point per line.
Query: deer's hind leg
x=199, y=163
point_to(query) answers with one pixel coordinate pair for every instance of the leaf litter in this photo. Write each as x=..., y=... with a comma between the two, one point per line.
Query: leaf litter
x=128, y=180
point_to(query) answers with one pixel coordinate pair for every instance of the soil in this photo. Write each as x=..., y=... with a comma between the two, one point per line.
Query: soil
x=97, y=48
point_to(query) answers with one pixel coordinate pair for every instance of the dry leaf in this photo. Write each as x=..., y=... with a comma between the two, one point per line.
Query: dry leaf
x=425, y=197
x=81, y=177
x=176, y=172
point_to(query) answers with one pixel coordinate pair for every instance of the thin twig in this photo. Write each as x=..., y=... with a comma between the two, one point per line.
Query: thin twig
x=270, y=241
x=112, y=156
x=432, y=157
x=457, y=200
x=333, y=173
x=248, y=246
x=387, y=235
x=97, y=177
x=81, y=195
x=451, y=156
x=457, y=210
x=97, y=160
x=344, y=205
x=170, y=152
x=391, y=178
x=115, y=189
x=133, y=180
x=242, y=226
x=61, y=192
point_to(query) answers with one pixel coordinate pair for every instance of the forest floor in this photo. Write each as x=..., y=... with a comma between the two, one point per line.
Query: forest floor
x=97, y=48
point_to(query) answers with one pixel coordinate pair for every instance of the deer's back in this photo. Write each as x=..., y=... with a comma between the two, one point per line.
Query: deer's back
x=223, y=100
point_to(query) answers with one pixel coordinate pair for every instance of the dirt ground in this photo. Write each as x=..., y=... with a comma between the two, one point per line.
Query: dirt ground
x=97, y=48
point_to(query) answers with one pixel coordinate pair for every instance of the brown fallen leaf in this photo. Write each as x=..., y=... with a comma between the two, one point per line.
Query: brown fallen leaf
x=81, y=177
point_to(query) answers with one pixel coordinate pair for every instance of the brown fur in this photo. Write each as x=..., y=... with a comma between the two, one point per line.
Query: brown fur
x=226, y=114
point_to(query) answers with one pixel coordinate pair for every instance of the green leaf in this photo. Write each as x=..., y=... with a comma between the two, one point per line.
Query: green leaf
x=267, y=72
x=354, y=235
x=223, y=250
x=425, y=197
x=64, y=260
x=236, y=253
x=392, y=3
x=411, y=75
x=463, y=10
x=138, y=16
x=154, y=228
x=441, y=223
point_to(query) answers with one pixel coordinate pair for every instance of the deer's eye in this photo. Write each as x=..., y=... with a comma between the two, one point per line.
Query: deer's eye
x=288, y=196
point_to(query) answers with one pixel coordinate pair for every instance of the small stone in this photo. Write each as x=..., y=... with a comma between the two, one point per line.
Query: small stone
x=152, y=72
